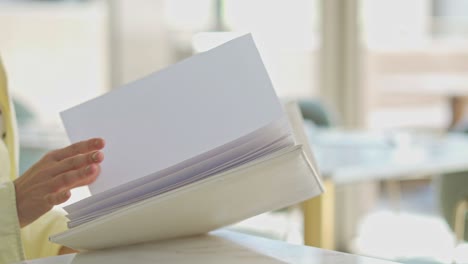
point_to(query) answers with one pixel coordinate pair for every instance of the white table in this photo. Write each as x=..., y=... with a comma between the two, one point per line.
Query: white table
x=346, y=157
x=218, y=247
x=353, y=156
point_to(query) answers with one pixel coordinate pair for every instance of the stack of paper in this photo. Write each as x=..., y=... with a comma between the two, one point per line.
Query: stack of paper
x=261, y=142
x=177, y=137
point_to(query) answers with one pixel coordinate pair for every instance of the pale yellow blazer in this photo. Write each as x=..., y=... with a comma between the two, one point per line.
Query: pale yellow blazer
x=32, y=241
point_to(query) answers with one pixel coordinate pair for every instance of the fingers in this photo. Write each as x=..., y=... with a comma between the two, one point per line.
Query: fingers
x=50, y=180
x=74, y=163
x=58, y=198
x=72, y=179
x=81, y=147
x=59, y=187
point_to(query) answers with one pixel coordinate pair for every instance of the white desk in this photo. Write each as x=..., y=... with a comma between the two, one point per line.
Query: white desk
x=218, y=247
x=346, y=157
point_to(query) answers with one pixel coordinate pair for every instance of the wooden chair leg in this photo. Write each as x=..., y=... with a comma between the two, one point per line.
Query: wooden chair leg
x=319, y=218
x=460, y=219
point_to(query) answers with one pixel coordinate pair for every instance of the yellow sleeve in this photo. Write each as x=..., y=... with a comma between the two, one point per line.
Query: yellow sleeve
x=11, y=139
x=35, y=236
x=11, y=249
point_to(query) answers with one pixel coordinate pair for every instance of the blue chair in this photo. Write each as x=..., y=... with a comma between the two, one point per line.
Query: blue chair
x=25, y=116
x=316, y=112
x=453, y=197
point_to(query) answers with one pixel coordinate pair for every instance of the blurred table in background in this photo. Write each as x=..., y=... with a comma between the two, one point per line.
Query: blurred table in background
x=352, y=157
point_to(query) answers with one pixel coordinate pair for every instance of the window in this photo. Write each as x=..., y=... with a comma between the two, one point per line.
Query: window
x=415, y=66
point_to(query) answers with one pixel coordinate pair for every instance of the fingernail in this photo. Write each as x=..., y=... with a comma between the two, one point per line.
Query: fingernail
x=97, y=143
x=95, y=156
x=88, y=170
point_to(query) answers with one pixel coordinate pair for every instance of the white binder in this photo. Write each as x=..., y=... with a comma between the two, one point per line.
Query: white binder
x=276, y=181
x=242, y=158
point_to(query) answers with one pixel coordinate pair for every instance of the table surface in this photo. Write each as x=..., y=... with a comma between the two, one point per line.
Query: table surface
x=353, y=156
x=348, y=157
x=221, y=246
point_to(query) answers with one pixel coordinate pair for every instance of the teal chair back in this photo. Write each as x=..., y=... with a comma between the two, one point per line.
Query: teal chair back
x=453, y=188
x=316, y=112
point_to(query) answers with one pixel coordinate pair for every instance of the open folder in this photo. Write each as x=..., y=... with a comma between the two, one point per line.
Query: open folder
x=200, y=145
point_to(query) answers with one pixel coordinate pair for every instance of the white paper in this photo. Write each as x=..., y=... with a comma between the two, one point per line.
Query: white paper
x=176, y=114
x=255, y=145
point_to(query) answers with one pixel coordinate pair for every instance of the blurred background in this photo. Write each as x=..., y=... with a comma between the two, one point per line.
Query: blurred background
x=381, y=84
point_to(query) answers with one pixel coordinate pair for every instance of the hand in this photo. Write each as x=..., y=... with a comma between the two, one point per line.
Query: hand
x=49, y=181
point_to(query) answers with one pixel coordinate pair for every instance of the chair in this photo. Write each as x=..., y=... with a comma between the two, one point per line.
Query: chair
x=461, y=212
x=453, y=196
x=27, y=119
x=316, y=112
